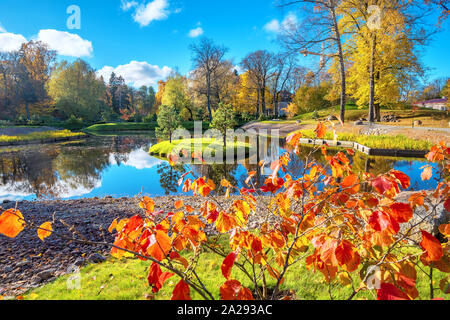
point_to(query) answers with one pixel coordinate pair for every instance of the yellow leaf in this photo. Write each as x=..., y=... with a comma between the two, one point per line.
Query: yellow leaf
x=45, y=230
x=344, y=279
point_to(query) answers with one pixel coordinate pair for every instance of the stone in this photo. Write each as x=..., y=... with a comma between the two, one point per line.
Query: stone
x=7, y=269
x=427, y=220
x=96, y=258
x=45, y=275
x=79, y=262
x=359, y=123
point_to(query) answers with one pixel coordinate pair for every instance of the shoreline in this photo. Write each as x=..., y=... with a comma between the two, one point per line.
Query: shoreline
x=26, y=262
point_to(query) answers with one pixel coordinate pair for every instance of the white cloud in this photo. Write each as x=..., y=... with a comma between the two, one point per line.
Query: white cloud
x=194, y=33
x=65, y=43
x=2, y=29
x=11, y=41
x=127, y=5
x=275, y=26
x=137, y=73
x=139, y=159
x=154, y=10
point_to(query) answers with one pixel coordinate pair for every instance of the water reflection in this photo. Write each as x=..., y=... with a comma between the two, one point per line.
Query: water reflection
x=120, y=166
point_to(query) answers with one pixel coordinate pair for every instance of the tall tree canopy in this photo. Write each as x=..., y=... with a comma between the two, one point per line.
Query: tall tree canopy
x=76, y=90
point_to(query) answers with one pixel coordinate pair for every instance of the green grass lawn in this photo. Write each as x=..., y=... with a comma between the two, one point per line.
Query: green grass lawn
x=39, y=136
x=377, y=142
x=126, y=126
x=126, y=279
x=164, y=148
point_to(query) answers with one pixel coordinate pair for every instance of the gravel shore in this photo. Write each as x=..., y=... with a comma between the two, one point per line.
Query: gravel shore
x=27, y=262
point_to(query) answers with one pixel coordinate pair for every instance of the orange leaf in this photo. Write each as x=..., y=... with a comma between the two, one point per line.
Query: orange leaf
x=147, y=204
x=445, y=229
x=179, y=204
x=45, y=230
x=227, y=265
x=432, y=246
x=113, y=226
x=350, y=183
x=160, y=245
x=11, y=223
x=181, y=291
x=320, y=130
x=225, y=222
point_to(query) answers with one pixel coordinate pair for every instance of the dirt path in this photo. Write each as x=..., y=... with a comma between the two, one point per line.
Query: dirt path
x=284, y=128
x=432, y=134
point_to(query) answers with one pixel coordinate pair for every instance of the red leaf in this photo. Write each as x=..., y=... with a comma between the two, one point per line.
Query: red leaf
x=447, y=204
x=405, y=180
x=380, y=221
x=227, y=265
x=233, y=290
x=401, y=212
x=388, y=291
x=156, y=278
x=432, y=246
x=381, y=184
x=181, y=291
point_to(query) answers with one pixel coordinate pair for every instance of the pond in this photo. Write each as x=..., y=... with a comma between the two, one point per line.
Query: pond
x=120, y=166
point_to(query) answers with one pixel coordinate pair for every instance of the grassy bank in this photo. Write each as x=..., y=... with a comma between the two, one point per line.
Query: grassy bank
x=126, y=279
x=39, y=136
x=110, y=127
x=376, y=142
x=208, y=146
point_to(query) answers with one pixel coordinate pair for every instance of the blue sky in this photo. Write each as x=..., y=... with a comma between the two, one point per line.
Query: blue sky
x=146, y=39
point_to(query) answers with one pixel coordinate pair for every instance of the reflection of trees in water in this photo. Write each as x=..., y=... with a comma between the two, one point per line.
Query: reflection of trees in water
x=30, y=172
x=216, y=172
x=169, y=176
x=54, y=170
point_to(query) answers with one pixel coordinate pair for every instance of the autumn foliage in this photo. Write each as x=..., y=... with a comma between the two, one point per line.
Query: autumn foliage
x=331, y=219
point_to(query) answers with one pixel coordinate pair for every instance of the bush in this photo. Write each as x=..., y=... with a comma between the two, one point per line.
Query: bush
x=21, y=120
x=74, y=121
x=150, y=118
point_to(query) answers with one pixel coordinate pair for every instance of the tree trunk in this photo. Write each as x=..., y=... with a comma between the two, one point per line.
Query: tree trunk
x=263, y=100
x=27, y=109
x=372, y=82
x=342, y=66
x=208, y=95
x=257, y=102
x=377, y=112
